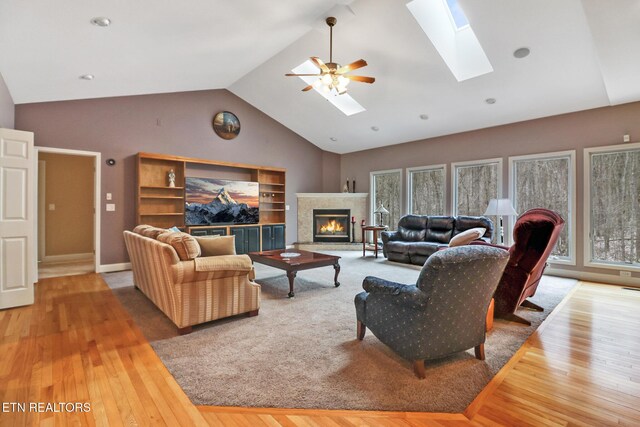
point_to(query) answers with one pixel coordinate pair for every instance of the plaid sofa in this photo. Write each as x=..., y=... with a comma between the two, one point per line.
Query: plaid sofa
x=193, y=291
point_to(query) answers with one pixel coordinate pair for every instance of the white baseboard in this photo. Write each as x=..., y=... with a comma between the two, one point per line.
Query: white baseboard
x=110, y=268
x=67, y=257
x=594, y=277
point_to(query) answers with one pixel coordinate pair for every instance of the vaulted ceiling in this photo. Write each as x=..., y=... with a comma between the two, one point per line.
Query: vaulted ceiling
x=583, y=55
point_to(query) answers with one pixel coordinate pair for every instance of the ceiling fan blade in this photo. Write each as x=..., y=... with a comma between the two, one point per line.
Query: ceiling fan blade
x=301, y=75
x=362, y=79
x=307, y=88
x=320, y=64
x=353, y=66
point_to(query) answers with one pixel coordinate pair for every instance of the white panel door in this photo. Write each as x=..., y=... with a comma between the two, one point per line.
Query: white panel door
x=17, y=218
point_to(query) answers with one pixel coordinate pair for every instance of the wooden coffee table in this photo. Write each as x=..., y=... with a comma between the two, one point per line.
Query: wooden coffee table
x=305, y=261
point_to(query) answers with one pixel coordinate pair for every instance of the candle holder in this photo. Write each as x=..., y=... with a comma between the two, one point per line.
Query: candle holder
x=353, y=230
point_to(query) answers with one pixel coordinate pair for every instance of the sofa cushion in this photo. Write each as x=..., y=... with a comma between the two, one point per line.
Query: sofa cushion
x=413, y=222
x=239, y=263
x=217, y=245
x=439, y=229
x=149, y=231
x=186, y=245
x=464, y=222
x=467, y=236
x=409, y=235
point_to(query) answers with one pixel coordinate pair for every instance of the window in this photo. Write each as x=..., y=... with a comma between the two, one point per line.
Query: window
x=458, y=17
x=547, y=181
x=612, y=204
x=426, y=190
x=448, y=29
x=386, y=189
x=474, y=184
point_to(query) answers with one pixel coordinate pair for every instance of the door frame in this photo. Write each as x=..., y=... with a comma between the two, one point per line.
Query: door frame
x=97, y=196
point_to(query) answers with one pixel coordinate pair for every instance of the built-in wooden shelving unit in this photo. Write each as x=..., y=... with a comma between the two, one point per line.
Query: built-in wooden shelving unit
x=163, y=206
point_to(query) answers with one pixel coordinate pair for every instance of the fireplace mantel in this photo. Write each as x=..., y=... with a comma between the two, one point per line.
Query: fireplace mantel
x=307, y=202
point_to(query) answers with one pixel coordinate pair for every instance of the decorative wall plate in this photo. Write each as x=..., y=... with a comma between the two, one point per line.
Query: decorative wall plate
x=226, y=125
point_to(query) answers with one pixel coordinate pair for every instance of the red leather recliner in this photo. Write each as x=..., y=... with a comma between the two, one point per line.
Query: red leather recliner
x=535, y=235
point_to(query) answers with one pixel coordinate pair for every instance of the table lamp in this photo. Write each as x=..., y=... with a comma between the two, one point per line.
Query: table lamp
x=381, y=210
x=500, y=208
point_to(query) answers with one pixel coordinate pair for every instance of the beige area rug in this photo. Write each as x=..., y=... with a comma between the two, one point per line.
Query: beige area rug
x=303, y=352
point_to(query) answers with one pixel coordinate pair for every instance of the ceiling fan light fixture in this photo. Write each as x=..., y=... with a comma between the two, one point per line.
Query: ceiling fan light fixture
x=332, y=76
x=343, y=81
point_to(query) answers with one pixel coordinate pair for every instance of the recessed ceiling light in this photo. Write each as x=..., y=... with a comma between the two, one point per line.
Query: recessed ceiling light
x=424, y=117
x=333, y=138
x=375, y=128
x=522, y=52
x=101, y=21
x=490, y=101
x=87, y=77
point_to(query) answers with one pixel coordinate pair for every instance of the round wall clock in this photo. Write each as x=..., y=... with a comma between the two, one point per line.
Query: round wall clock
x=226, y=125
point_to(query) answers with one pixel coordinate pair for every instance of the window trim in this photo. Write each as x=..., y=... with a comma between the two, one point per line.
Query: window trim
x=372, y=192
x=571, y=154
x=454, y=178
x=411, y=170
x=586, y=238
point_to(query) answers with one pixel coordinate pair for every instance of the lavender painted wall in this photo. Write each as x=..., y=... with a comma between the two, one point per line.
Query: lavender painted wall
x=331, y=172
x=175, y=123
x=7, y=109
x=575, y=131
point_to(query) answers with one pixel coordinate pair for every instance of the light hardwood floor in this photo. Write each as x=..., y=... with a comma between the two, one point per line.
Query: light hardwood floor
x=48, y=269
x=77, y=344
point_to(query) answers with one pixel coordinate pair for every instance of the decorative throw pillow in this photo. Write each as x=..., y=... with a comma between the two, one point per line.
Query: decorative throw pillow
x=467, y=236
x=149, y=231
x=185, y=244
x=217, y=245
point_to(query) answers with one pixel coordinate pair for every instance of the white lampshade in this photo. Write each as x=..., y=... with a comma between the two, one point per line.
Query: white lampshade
x=381, y=210
x=499, y=207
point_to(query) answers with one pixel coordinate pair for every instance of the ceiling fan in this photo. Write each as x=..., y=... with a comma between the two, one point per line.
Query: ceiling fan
x=333, y=76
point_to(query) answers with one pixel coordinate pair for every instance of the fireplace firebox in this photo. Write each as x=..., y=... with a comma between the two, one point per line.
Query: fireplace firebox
x=331, y=225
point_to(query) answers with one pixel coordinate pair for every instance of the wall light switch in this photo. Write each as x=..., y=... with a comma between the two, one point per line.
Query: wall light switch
x=111, y=207
x=52, y=206
x=626, y=138
x=109, y=197
x=287, y=207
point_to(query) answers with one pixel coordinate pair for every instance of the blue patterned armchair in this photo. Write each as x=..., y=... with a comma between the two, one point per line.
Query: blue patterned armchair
x=444, y=313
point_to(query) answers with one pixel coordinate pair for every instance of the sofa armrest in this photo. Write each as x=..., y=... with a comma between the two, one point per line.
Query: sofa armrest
x=396, y=293
x=375, y=285
x=389, y=236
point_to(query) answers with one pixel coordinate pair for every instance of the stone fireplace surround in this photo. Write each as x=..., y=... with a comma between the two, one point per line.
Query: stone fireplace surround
x=307, y=202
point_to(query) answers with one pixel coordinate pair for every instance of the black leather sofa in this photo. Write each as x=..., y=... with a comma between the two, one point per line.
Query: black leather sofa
x=420, y=236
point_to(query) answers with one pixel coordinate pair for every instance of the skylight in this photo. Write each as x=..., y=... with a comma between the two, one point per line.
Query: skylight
x=446, y=25
x=344, y=102
x=457, y=14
